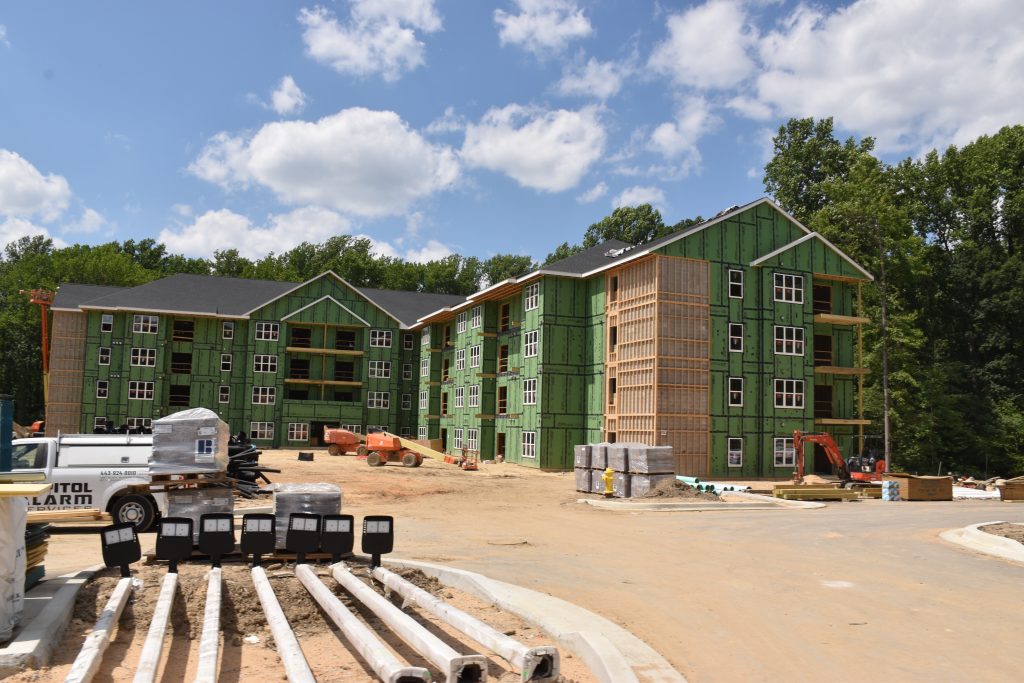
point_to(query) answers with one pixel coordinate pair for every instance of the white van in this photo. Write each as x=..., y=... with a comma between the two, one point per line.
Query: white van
x=92, y=471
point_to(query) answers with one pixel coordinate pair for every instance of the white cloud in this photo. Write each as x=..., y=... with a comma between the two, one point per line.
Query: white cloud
x=413, y=223
x=13, y=229
x=358, y=161
x=183, y=210
x=25, y=192
x=707, y=46
x=3, y=36
x=548, y=150
x=593, y=194
x=380, y=36
x=542, y=26
x=431, y=251
x=596, y=79
x=449, y=122
x=636, y=195
x=676, y=141
x=91, y=221
x=288, y=98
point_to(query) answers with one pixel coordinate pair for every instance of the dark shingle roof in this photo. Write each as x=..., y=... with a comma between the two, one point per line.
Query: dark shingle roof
x=588, y=259
x=70, y=295
x=201, y=294
x=409, y=306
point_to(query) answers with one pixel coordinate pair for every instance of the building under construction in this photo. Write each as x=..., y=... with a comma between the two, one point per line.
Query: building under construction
x=719, y=340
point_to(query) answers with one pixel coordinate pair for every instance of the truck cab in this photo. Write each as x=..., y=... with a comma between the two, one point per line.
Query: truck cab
x=92, y=471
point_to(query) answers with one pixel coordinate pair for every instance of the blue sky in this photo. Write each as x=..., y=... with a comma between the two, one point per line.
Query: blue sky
x=440, y=126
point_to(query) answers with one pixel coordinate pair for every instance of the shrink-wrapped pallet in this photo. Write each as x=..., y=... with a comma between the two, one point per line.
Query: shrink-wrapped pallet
x=599, y=456
x=583, y=479
x=652, y=460
x=319, y=499
x=582, y=455
x=194, y=503
x=191, y=441
x=640, y=485
x=621, y=485
x=596, y=482
x=619, y=454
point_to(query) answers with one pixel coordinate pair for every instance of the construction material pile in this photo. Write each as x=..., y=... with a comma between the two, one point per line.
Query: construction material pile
x=36, y=543
x=194, y=503
x=189, y=442
x=636, y=468
x=319, y=499
x=1012, y=489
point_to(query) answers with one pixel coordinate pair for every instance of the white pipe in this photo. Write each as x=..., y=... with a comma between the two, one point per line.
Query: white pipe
x=535, y=664
x=88, y=659
x=209, y=643
x=456, y=668
x=295, y=665
x=366, y=643
x=153, y=647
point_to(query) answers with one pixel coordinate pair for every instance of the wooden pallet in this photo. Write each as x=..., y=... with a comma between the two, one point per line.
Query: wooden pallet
x=161, y=483
x=793, y=492
x=52, y=516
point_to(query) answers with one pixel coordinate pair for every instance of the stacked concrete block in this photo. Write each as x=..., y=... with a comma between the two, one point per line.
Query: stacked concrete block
x=596, y=482
x=641, y=485
x=651, y=460
x=621, y=487
x=319, y=499
x=583, y=480
x=618, y=456
x=582, y=462
x=599, y=456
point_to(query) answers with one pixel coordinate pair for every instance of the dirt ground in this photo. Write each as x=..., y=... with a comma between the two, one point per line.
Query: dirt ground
x=1012, y=531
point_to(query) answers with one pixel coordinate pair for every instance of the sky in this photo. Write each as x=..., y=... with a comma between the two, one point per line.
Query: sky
x=458, y=126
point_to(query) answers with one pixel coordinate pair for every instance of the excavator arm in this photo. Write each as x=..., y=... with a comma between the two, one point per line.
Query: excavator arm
x=831, y=450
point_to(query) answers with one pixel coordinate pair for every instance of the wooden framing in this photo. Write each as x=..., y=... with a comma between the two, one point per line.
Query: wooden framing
x=840, y=421
x=67, y=365
x=835, y=370
x=832, y=319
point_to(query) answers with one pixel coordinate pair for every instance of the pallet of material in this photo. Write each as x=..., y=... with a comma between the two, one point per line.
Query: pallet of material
x=50, y=516
x=814, y=493
x=1013, y=490
x=871, y=492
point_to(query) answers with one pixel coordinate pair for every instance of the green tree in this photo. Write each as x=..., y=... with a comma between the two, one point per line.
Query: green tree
x=632, y=224
x=504, y=266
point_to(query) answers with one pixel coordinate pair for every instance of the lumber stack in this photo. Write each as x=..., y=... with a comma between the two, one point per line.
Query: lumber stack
x=813, y=492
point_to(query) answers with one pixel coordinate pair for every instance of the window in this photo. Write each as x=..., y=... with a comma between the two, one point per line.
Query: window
x=224, y=394
x=145, y=324
x=264, y=395
x=181, y=363
x=529, y=392
x=789, y=288
x=789, y=393
x=423, y=400
x=421, y=432
x=143, y=357
x=736, y=337
x=504, y=318
x=474, y=396
x=380, y=338
x=97, y=423
x=460, y=324
x=472, y=438
x=301, y=338
x=227, y=330
x=822, y=298
x=476, y=317
x=530, y=343
x=613, y=338
x=204, y=446
x=376, y=428
x=789, y=341
x=378, y=399
x=503, y=358
x=474, y=356
x=444, y=402
x=736, y=392
x=425, y=336
x=140, y=423
x=823, y=349
x=263, y=431
x=406, y=432
x=355, y=429
x=179, y=395
x=460, y=397
x=425, y=367
x=407, y=341
x=407, y=371
x=460, y=359
x=267, y=332
x=225, y=362
x=529, y=444
x=102, y=388
x=140, y=391
x=785, y=455
x=613, y=388
x=458, y=439
x=531, y=298
x=345, y=340
x=106, y=322
x=104, y=355
x=380, y=369
x=406, y=401
x=344, y=370
x=735, y=284
x=298, y=431
x=183, y=330
x=264, y=363
x=502, y=400
x=735, y=452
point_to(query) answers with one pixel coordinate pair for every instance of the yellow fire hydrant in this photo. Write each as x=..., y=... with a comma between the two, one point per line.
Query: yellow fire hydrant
x=607, y=478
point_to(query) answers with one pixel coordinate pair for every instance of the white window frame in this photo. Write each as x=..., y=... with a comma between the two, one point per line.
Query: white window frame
x=261, y=431
x=476, y=317
x=425, y=366
x=298, y=431
x=406, y=401
x=424, y=397
x=407, y=341
x=145, y=324
x=531, y=296
x=102, y=388
x=406, y=371
x=421, y=432
x=378, y=400
x=143, y=390
x=472, y=439
x=530, y=343
x=264, y=362
x=139, y=422
x=268, y=331
x=264, y=396
x=104, y=354
x=460, y=397
x=227, y=329
x=734, y=457
x=379, y=428
x=788, y=288
x=474, y=356
x=355, y=429
x=784, y=452
x=99, y=422
x=106, y=323
x=789, y=393
x=425, y=336
x=792, y=337
x=225, y=362
x=224, y=393
x=143, y=357
x=457, y=443
x=460, y=323
x=530, y=392
x=735, y=332
x=735, y=281
x=380, y=369
x=474, y=396
x=733, y=392
x=529, y=445
x=380, y=338
x=460, y=359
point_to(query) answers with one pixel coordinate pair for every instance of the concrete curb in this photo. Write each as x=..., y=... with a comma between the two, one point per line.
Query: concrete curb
x=757, y=502
x=34, y=645
x=983, y=542
x=613, y=654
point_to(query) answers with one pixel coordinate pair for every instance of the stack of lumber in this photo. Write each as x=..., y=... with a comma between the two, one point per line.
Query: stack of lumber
x=805, y=492
x=36, y=543
x=871, y=492
x=56, y=516
x=1013, y=489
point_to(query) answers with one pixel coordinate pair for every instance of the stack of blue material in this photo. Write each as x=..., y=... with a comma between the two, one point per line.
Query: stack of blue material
x=891, y=490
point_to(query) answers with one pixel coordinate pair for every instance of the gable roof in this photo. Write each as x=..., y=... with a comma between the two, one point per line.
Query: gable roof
x=408, y=307
x=591, y=258
x=71, y=295
x=807, y=238
x=330, y=298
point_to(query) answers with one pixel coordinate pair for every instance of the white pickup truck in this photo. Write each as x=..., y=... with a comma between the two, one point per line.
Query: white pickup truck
x=92, y=471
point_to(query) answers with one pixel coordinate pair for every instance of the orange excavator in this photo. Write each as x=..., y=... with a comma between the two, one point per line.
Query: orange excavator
x=865, y=475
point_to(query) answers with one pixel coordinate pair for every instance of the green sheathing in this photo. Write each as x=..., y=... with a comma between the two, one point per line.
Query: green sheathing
x=732, y=245
x=466, y=417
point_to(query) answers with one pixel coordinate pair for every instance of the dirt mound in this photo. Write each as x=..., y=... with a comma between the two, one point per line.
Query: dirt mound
x=1014, y=532
x=674, y=488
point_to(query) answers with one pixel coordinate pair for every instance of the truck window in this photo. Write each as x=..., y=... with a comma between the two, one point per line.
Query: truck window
x=28, y=456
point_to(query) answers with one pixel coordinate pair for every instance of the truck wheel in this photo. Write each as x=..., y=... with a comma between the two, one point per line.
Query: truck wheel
x=374, y=459
x=361, y=451
x=134, y=508
x=334, y=449
x=410, y=460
